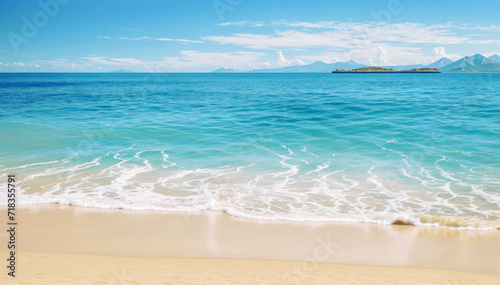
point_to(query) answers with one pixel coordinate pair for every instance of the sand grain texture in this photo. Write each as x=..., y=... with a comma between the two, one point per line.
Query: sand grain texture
x=64, y=268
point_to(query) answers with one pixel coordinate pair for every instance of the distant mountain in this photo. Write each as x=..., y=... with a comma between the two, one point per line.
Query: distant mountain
x=495, y=57
x=475, y=63
x=318, y=66
x=440, y=63
x=225, y=70
x=489, y=67
x=468, y=61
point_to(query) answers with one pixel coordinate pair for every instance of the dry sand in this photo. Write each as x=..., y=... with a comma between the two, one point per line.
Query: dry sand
x=65, y=268
x=72, y=245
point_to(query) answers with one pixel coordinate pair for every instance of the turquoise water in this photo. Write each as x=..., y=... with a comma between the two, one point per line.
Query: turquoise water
x=422, y=148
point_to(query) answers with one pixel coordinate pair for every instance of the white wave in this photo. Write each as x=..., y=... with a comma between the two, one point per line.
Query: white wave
x=150, y=180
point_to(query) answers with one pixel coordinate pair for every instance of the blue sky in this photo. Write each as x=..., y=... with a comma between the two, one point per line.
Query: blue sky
x=190, y=36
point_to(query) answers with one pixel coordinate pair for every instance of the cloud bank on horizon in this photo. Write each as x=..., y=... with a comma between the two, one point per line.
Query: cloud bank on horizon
x=175, y=36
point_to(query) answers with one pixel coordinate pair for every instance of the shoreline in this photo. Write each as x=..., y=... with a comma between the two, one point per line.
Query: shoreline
x=216, y=235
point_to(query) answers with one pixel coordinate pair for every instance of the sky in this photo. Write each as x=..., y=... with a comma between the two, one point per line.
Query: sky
x=200, y=36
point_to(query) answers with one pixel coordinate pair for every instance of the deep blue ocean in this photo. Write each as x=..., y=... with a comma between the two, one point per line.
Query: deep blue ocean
x=421, y=148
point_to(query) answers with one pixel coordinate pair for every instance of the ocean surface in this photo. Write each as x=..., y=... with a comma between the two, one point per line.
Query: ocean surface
x=417, y=148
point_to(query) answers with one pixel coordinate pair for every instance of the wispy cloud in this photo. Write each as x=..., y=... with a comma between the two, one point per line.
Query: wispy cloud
x=193, y=58
x=369, y=42
x=343, y=35
x=242, y=24
x=128, y=29
x=183, y=41
x=55, y=62
x=338, y=24
x=493, y=28
x=483, y=42
x=113, y=61
x=188, y=60
x=21, y=65
x=307, y=25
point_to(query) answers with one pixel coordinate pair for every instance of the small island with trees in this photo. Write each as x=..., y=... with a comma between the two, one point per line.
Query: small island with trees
x=377, y=69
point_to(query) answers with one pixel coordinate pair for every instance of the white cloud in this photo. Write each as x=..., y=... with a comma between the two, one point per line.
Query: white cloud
x=53, y=62
x=382, y=54
x=160, y=39
x=307, y=25
x=126, y=61
x=484, y=42
x=330, y=59
x=193, y=58
x=488, y=54
x=183, y=41
x=282, y=61
x=100, y=60
x=439, y=53
x=113, y=61
x=280, y=23
x=376, y=43
x=312, y=25
x=283, y=39
x=344, y=35
x=493, y=28
x=188, y=60
x=242, y=24
x=336, y=25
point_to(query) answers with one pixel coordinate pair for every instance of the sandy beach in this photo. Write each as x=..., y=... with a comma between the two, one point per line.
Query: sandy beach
x=73, y=245
x=63, y=268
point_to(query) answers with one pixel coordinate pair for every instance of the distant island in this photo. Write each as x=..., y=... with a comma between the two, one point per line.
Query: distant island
x=378, y=69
